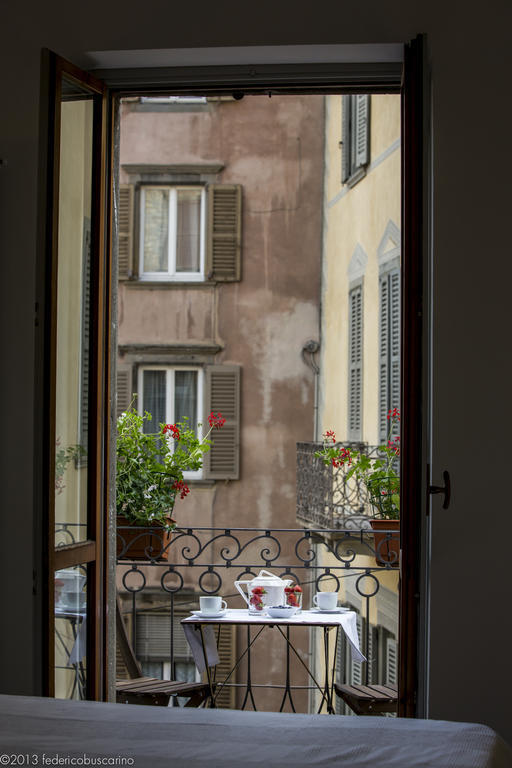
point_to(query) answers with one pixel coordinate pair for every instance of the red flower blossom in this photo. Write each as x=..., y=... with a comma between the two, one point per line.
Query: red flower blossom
x=182, y=487
x=173, y=429
x=342, y=457
x=329, y=435
x=394, y=413
x=216, y=421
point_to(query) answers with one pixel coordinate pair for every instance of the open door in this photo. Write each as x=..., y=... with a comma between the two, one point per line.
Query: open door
x=76, y=384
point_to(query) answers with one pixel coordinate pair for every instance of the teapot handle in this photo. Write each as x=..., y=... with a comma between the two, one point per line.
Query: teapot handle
x=237, y=585
x=267, y=572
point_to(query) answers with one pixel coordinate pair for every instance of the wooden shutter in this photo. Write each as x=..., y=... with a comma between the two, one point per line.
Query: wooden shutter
x=227, y=658
x=86, y=335
x=389, y=349
x=394, y=346
x=383, y=356
x=125, y=231
x=355, y=668
x=224, y=232
x=223, y=396
x=361, y=129
x=153, y=637
x=345, y=138
x=124, y=389
x=355, y=352
x=391, y=677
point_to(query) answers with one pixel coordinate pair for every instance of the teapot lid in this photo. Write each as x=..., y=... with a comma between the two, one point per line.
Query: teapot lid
x=270, y=579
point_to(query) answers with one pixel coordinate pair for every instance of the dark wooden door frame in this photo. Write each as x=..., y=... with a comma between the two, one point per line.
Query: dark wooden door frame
x=414, y=310
x=310, y=79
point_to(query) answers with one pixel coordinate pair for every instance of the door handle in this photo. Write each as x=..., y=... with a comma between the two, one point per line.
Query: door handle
x=445, y=489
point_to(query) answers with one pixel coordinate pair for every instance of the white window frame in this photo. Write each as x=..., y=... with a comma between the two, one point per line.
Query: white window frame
x=171, y=275
x=169, y=400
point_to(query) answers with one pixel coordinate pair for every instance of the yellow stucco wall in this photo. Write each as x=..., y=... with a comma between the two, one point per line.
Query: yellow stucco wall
x=357, y=216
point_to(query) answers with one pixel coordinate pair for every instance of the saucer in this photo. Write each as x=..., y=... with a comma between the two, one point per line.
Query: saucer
x=201, y=615
x=339, y=609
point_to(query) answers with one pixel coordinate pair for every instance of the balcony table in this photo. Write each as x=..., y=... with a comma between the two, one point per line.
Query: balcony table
x=75, y=653
x=201, y=638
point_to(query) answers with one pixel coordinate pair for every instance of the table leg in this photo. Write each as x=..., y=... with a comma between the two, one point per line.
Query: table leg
x=287, y=688
x=248, y=689
x=327, y=693
x=207, y=667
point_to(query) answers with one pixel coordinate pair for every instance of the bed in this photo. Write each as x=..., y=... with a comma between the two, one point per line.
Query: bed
x=63, y=732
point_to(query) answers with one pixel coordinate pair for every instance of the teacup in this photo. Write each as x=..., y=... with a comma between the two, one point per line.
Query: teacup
x=326, y=601
x=212, y=604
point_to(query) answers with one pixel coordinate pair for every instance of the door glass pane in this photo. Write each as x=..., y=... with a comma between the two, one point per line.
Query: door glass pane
x=187, y=234
x=73, y=315
x=70, y=632
x=153, y=399
x=156, y=230
x=185, y=397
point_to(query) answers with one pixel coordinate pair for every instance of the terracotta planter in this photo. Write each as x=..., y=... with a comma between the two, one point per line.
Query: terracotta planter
x=140, y=543
x=387, y=545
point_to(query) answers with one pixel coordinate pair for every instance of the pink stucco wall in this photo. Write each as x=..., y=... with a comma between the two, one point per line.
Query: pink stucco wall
x=273, y=147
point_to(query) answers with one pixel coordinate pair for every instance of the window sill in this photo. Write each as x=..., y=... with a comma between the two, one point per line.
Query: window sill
x=134, y=282
x=356, y=177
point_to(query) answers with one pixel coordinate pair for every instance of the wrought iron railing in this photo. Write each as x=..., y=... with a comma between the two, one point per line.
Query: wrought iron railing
x=325, y=498
x=208, y=561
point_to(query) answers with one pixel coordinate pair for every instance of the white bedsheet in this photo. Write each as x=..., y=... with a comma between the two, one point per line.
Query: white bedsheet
x=153, y=737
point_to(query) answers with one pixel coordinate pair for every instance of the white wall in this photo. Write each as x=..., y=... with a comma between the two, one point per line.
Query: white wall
x=471, y=58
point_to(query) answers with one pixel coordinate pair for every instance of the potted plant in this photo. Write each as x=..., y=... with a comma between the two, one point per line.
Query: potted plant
x=150, y=467
x=378, y=474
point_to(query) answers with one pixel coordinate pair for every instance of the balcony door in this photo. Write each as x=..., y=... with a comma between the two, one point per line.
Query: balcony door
x=76, y=384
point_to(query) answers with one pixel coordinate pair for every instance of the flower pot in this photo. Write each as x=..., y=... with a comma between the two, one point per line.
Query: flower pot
x=386, y=541
x=140, y=543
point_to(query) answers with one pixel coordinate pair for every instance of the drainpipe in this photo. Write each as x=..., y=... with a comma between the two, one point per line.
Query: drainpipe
x=309, y=350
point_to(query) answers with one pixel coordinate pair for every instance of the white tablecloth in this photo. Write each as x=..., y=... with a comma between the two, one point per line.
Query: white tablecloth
x=346, y=620
x=169, y=737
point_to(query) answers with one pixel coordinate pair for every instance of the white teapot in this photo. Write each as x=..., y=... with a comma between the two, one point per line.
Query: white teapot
x=263, y=591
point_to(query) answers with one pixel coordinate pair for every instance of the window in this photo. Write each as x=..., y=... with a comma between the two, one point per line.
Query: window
x=355, y=137
x=172, y=233
x=187, y=233
x=171, y=392
x=172, y=395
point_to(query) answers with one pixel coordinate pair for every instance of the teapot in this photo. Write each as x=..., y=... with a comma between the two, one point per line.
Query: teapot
x=263, y=590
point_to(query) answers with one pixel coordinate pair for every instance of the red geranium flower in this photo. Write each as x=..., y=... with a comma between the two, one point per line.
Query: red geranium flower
x=216, y=421
x=173, y=429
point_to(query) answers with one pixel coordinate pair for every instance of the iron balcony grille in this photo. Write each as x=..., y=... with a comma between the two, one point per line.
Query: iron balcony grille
x=325, y=498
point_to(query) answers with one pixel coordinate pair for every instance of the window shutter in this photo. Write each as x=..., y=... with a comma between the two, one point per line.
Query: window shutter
x=355, y=668
x=224, y=232
x=361, y=130
x=394, y=361
x=124, y=390
x=223, y=396
x=383, y=357
x=389, y=350
x=355, y=351
x=227, y=658
x=125, y=231
x=345, y=138
x=391, y=661
x=153, y=637
x=86, y=332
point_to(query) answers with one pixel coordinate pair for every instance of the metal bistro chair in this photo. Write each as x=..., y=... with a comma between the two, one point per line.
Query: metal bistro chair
x=149, y=690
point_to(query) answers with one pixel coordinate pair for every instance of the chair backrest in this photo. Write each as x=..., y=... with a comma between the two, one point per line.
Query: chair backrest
x=124, y=648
